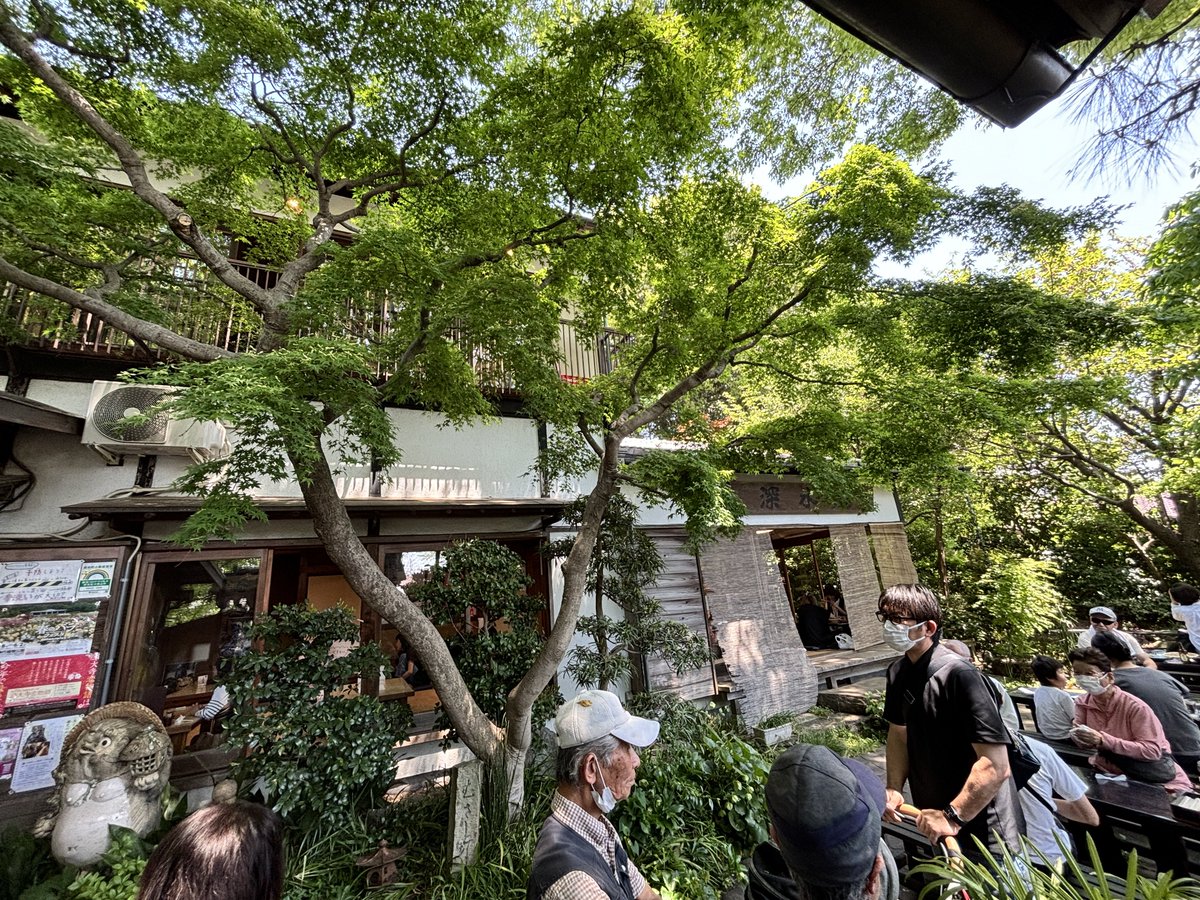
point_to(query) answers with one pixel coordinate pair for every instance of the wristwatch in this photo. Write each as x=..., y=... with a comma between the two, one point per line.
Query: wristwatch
x=952, y=815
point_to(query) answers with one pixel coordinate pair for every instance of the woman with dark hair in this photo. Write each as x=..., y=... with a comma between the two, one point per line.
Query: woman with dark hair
x=1123, y=732
x=227, y=851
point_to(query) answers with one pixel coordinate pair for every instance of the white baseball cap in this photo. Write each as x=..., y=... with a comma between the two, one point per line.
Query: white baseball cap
x=1102, y=612
x=591, y=715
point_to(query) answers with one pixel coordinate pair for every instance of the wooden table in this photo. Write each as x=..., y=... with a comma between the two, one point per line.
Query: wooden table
x=395, y=689
x=182, y=733
x=1141, y=808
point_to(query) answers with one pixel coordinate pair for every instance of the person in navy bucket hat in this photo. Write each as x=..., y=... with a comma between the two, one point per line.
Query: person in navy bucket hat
x=826, y=822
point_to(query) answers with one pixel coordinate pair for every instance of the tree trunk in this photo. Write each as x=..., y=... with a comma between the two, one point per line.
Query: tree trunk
x=519, y=708
x=333, y=526
x=1181, y=541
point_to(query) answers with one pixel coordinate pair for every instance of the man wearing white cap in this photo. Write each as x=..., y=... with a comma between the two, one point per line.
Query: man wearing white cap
x=579, y=855
x=1103, y=620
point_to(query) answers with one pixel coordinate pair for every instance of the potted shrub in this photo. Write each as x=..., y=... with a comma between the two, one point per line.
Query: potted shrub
x=775, y=729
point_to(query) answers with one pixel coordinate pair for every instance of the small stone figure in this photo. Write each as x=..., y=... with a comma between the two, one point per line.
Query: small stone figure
x=114, y=768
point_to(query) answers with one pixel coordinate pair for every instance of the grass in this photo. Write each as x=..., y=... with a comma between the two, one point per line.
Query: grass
x=838, y=738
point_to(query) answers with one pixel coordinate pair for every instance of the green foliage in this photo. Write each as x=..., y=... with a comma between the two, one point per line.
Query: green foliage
x=1018, y=611
x=24, y=862
x=480, y=588
x=320, y=860
x=873, y=724
x=696, y=484
x=697, y=808
x=321, y=755
x=120, y=869
x=841, y=739
x=624, y=563
x=777, y=719
x=1003, y=876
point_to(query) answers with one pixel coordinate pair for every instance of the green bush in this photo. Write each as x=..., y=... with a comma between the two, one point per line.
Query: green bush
x=120, y=869
x=24, y=862
x=490, y=580
x=317, y=754
x=1018, y=611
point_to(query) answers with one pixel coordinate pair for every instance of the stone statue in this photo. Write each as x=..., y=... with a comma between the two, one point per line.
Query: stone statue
x=114, y=767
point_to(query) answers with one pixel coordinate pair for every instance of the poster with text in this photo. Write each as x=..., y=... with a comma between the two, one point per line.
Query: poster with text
x=40, y=747
x=48, y=681
x=44, y=581
x=10, y=742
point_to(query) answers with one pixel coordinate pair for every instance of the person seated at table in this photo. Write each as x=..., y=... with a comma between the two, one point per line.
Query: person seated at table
x=1122, y=730
x=812, y=622
x=1185, y=609
x=1053, y=707
x=1162, y=693
x=1104, y=619
x=1053, y=791
x=407, y=667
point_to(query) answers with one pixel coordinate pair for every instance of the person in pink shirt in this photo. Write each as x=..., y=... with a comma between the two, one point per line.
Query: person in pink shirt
x=1123, y=730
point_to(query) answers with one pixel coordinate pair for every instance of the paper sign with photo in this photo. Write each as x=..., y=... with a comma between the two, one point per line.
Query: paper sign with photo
x=40, y=747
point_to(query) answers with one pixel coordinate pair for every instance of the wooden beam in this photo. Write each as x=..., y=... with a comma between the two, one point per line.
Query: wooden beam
x=22, y=411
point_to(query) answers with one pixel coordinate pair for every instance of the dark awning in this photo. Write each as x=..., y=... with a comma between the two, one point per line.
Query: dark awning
x=23, y=411
x=155, y=506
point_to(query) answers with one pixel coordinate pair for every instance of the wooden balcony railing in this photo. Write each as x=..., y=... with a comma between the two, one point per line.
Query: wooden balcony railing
x=187, y=301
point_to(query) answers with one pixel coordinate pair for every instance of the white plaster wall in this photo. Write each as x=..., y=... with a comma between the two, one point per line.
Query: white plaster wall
x=484, y=460
x=495, y=458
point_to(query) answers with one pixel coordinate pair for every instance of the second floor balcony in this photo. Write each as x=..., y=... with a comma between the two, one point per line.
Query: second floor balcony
x=185, y=300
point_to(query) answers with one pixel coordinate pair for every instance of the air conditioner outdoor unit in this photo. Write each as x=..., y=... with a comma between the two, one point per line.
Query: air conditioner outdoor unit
x=113, y=401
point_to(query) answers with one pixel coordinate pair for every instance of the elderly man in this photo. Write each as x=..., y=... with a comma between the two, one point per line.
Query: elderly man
x=945, y=735
x=1104, y=621
x=826, y=823
x=578, y=854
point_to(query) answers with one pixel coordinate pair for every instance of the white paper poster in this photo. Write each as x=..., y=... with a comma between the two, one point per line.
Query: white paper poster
x=39, y=751
x=44, y=581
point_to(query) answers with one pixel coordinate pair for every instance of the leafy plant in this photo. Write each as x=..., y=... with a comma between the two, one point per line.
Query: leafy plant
x=24, y=861
x=481, y=589
x=873, y=723
x=1018, y=611
x=317, y=752
x=840, y=739
x=624, y=564
x=777, y=719
x=119, y=871
x=1004, y=876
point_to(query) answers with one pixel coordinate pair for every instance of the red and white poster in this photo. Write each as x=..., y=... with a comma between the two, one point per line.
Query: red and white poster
x=48, y=680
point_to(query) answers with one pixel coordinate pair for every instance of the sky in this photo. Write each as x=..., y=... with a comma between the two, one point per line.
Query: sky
x=1037, y=157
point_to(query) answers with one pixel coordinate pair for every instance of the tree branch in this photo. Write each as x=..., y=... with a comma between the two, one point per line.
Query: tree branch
x=133, y=167
x=113, y=315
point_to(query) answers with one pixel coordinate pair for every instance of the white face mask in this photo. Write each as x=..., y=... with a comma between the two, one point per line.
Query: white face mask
x=1091, y=683
x=898, y=637
x=605, y=801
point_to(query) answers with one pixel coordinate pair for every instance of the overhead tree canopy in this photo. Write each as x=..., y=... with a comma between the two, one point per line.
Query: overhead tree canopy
x=412, y=187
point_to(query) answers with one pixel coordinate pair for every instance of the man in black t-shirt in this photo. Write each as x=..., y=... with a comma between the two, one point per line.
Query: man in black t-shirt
x=945, y=735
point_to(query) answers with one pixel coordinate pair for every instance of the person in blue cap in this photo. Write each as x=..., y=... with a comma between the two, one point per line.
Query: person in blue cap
x=826, y=827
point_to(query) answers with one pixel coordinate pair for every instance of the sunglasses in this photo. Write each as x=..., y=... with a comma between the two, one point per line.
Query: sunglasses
x=1103, y=621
